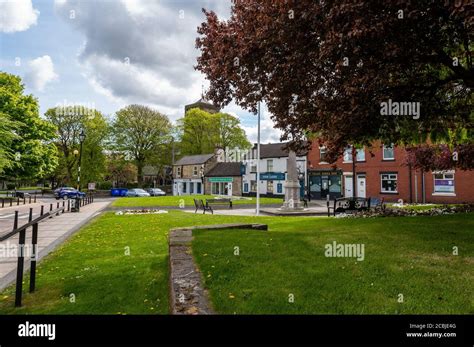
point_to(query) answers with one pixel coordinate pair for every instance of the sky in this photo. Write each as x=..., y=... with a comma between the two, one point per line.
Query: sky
x=107, y=54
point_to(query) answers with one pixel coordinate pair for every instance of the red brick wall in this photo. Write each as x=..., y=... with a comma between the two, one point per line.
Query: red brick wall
x=374, y=165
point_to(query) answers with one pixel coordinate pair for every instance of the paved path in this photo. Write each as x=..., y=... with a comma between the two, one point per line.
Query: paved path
x=51, y=233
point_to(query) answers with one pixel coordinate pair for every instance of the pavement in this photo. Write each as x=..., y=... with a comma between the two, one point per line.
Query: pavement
x=51, y=233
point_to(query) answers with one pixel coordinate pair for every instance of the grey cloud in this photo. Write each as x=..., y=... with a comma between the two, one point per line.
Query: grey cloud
x=159, y=44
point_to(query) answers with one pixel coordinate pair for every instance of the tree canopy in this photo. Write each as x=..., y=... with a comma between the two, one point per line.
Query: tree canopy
x=70, y=121
x=326, y=67
x=201, y=132
x=139, y=132
x=26, y=147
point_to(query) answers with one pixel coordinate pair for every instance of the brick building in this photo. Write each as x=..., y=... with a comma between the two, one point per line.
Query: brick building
x=383, y=173
x=189, y=171
x=224, y=179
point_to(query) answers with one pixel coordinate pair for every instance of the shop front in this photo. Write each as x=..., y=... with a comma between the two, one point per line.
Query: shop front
x=324, y=183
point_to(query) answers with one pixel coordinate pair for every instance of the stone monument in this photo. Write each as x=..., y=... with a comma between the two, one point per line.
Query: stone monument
x=292, y=186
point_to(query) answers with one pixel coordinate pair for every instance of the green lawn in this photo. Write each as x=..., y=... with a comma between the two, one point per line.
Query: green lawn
x=409, y=255
x=184, y=201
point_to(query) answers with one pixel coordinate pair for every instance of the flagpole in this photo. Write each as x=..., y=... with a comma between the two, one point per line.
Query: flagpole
x=258, y=160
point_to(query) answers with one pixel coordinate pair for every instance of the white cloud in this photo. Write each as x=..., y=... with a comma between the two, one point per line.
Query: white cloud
x=17, y=15
x=141, y=51
x=40, y=72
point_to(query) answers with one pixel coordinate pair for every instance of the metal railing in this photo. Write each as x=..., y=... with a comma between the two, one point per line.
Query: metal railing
x=10, y=201
x=33, y=224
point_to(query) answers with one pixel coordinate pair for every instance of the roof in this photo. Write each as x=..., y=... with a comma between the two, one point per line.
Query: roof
x=194, y=159
x=202, y=104
x=225, y=169
x=277, y=150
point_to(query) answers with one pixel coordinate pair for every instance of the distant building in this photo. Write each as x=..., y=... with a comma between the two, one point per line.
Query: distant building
x=189, y=171
x=202, y=104
x=273, y=171
x=224, y=179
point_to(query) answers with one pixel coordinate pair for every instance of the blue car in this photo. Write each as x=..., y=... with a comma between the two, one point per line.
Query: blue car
x=67, y=193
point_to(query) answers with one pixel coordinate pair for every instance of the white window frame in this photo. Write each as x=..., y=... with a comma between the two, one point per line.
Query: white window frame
x=390, y=178
x=178, y=171
x=444, y=174
x=322, y=152
x=360, y=152
x=383, y=152
x=269, y=165
x=347, y=154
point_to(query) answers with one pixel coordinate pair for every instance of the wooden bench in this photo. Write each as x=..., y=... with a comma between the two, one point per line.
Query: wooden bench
x=219, y=201
x=343, y=205
x=199, y=205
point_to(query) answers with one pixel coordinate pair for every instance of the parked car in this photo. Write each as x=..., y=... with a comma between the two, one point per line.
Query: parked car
x=156, y=192
x=137, y=192
x=67, y=193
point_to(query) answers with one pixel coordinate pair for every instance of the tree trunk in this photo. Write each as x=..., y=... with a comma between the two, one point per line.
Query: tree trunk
x=140, y=173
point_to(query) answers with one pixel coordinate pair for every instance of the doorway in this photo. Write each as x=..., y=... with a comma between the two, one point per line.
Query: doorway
x=361, y=186
x=348, y=187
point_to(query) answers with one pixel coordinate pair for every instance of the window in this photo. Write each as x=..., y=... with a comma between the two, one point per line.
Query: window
x=388, y=152
x=360, y=154
x=322, y=154
x=389, y=182
x=178, y=171
x=195, y=170
x=253, y=186
x=219, y=188
x=270, y=165
x=279, y=188
x=184, y=187
x=270, y=187
x=444, y=182
x=198, y=188
x=246, y=187
x=347, y=155
x=253, y=168
x=191, y=187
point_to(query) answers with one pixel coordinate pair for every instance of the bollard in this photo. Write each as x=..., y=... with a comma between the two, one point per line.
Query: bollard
x=24, y=200
x=57, y=207
x=29, y=199
x=3, y=202
x=11, y=202
x=64, y=204
x=18, y=201
x=68, y=205
x=42, y=210
x=35, y=198
x=19, y=268
x=15, y=221
x=34, y=241
x=30, y=217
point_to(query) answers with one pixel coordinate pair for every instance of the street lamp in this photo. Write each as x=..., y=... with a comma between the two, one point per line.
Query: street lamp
x=82, y=137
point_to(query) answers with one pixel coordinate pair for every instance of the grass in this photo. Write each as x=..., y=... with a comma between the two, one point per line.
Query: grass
x=187, y=200
x=410, y=255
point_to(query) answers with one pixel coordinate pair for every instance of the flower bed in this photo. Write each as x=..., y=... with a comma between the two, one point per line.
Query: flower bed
x=140, y=211
x=403, y=212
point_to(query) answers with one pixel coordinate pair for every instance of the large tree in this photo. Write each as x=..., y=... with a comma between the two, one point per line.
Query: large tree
x=70, y=121
x=139, y=132
x=201, y=132
x=28, y=149
x=326, y=67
